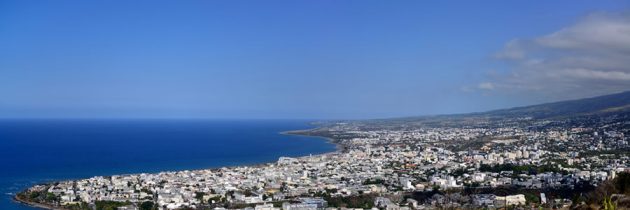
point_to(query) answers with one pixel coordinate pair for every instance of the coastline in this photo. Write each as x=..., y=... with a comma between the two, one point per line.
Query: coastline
x=338, y=149
x=34, y=204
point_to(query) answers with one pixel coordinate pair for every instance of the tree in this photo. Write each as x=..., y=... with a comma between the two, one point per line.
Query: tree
x=147, y=205
x=622, y=183
x=532, y=198
x=199, y=196
x=110, y=205
x=50, y=197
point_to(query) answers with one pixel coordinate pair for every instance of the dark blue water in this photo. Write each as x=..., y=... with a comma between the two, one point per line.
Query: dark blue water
x=34, y=151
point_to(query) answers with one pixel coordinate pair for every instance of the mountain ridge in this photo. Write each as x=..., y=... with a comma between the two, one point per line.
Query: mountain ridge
x=617, y=102
x=603, y=104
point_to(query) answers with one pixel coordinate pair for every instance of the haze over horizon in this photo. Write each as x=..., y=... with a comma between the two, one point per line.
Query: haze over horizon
x=304, y=59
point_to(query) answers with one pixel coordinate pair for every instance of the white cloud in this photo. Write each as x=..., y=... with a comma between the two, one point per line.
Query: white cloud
x=601, y=75
x=589, y=57
x=512, y=50
x=486, y=86
x=598, y=31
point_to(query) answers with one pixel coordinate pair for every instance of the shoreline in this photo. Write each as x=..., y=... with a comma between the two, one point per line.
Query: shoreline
x=16, y=199
x=338, y=149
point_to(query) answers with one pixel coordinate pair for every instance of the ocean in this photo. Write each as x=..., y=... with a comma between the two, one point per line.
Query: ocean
x=36, y=151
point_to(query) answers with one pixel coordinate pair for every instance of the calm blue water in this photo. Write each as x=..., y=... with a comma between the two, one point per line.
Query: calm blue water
x=33, y=151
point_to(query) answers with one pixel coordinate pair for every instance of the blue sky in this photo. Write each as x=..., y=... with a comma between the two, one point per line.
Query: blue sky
x=301, y=59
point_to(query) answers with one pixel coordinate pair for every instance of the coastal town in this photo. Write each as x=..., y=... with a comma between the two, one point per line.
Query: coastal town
x=314, y=105
x=460, y=163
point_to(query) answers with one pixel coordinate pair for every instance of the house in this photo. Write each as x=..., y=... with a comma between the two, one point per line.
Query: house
x=510, y=200
x=483, y=199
